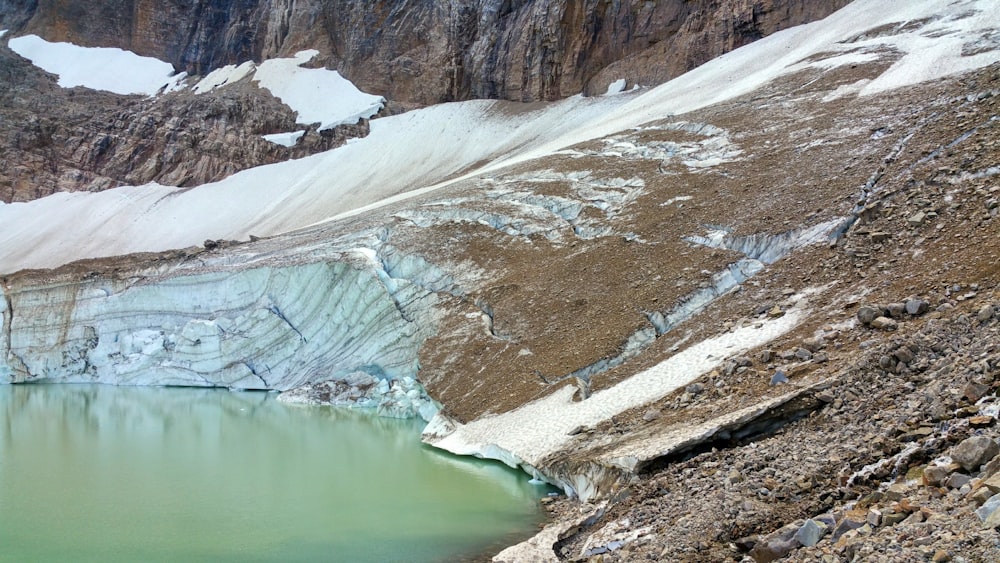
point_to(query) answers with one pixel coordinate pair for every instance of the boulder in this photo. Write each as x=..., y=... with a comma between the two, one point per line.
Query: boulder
x=972, y=452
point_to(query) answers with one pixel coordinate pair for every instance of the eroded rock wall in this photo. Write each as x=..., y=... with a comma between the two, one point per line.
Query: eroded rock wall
x=423, y=52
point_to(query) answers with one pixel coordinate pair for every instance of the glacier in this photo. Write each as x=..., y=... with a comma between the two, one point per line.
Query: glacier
x=274, y=321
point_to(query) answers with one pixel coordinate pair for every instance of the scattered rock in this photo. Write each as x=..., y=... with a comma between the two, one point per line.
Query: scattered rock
x=993, y=483
x=975, y=391
x=896, y=310
x=975, y=451
x=934, y=475
x=779, y=377
x=814, y=344
x=917, y=219
x=989, y=512
x=776, y=312
x=651, y=415
x=917, y=306
x=903, y=354
x=884, y=323
x=985, y=314
x=981, y=495
x=845, y=525
x=810, y=533
x=982, y=421
x=957, y=480
x=868, y=314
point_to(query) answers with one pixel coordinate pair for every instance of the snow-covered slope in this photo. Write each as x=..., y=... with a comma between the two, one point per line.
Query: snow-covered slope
x=423, y=149
x=98, y=68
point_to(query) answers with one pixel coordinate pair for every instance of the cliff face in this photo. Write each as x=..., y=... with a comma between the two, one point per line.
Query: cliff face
x=423, y=52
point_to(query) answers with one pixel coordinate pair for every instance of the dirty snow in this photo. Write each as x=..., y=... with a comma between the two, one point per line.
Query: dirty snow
x=415, y=152
x=316, y=94
x=98, y=68
x=542, y=427
x=223, y=76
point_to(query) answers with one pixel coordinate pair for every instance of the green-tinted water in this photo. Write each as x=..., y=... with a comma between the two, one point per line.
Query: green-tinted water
x=147, y=474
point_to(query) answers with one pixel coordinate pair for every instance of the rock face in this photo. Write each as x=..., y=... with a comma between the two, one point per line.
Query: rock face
x=427, y=52
x=54, y=140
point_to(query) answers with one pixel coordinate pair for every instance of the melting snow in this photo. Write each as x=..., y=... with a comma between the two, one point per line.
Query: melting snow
x=98, y=68
x=222, y=76
x=616, y=87
x=285, y=139
x=542, y=427
x=316, y=94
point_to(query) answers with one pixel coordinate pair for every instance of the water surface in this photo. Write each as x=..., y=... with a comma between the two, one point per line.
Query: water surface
x=98, y=473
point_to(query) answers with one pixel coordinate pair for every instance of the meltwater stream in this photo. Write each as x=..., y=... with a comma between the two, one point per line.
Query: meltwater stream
x=99, y=473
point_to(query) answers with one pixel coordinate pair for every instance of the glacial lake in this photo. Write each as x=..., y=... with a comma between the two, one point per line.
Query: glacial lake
x=100, y=473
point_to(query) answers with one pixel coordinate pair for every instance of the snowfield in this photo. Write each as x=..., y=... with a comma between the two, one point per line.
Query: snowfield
x=317, y=95
x=425, y=149
x=98, y=68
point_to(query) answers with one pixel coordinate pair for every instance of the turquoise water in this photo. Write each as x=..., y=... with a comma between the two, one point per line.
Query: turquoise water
x=97, y=473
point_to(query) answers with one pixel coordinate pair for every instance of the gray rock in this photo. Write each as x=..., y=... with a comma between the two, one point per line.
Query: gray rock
x=767, y=355
x=903, y=354
x=810, y=533
x=845, y=525
x=989, y=512
x=985, y=314
x=778, y=378
x=896, y=310
x=917, y=219
x=957, y=480
x=975, y=451
x=803, y=354
x=884, y=323
x=651, y=415
x=936, y=474
x=814, y=344
x=772, y=550
x=887, y=362
x=868, y=314
x=917, y=306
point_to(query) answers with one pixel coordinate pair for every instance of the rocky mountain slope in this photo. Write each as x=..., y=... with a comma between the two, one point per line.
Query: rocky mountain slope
x=732, y=323
x=430, y=52
x=61, y=140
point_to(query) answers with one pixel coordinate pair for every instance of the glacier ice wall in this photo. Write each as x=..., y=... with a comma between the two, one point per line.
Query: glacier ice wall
x=264, y=327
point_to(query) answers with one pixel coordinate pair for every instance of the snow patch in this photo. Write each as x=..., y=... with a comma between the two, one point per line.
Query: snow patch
x=3, y=32
x=285, y=139
x=223, y=76
x=316, y=94
x=529, y=433
x=616, y=87
x=98, y=68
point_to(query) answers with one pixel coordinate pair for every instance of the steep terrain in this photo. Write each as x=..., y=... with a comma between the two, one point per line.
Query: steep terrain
x=429, y=52
x=751, y=313
x=62, y=140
